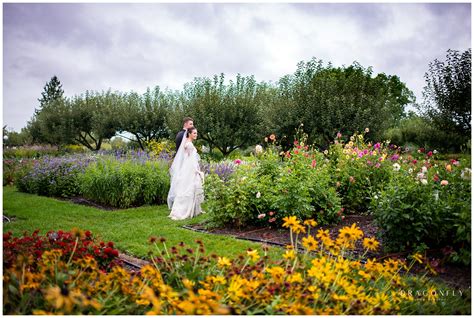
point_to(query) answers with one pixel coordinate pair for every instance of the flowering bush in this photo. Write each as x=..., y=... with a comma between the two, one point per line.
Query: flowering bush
x=427, y=205
x=360, y=169
x=54, y=176
x=161, y=148
x=265, y=189
x=13, y=169
x=323, y=279
x=125, y=183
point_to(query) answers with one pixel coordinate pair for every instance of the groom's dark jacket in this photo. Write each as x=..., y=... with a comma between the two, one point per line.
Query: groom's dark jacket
x=179, y=138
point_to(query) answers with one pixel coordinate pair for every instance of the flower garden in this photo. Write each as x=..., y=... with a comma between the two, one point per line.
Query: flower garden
x=420, y=201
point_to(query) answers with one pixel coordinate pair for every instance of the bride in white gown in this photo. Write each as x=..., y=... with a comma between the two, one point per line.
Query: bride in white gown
x=186, y=193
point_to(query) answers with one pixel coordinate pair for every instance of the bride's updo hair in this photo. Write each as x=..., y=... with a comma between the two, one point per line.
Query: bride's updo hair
x=189, y=131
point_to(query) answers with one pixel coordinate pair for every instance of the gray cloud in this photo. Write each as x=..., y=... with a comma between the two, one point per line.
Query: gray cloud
x=129, y=47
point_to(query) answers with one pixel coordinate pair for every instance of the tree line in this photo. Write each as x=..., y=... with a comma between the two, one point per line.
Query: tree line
x=237, y=113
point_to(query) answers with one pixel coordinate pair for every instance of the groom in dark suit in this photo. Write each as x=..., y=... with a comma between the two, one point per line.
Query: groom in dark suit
x=187, y=123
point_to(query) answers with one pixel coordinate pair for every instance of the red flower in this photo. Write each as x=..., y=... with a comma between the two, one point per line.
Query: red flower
x=429, y=154
x=88, y=233
x=110, y=244
x=436, y=178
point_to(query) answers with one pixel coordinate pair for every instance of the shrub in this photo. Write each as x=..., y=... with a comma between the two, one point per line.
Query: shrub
x=426, y=207
x=54, y=176
x=14, y=169
x=125, y=183
x=264, y=190
x=359, y=169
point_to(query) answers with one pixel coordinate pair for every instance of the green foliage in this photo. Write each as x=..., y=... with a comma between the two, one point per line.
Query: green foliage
x=125, y=184
x=13, y=169
x=431, y=207
x=359, y=170
x=328, y=99
x=94, y=117
x=145, y=116
x=265, y=191
x=56, y=177
x=419, y=131
x=447, y=95
x=229, y=116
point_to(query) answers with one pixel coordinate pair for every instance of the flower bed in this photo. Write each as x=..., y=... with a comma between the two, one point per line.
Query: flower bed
x=184, y=280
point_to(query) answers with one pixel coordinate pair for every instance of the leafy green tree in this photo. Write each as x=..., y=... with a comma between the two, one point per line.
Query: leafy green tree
x=94, y=118
x=145, y=117
x=327, y=100
x=447, y=94
x=54, y=122
x=53, y=90
x=227, y=116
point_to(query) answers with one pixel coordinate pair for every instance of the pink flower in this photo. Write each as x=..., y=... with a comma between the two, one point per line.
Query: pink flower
x=444, y=182
x=313, y=163
x=237, y=161
x=272, y=220
x=271, y=213
x=429, y=154
x=339, y=135
x=377, y=145
x=261, y=216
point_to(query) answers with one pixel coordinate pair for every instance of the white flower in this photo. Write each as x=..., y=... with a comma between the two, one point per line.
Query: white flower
x=204, y=149
x=424, y=169
x=258, y=195
x=396, y=167
x=258, y=149
x=466, y=173
x=326, y=152
x=435, y=151
x=376, y=197
x=410, y=170
x=436, y=195
x=366, y=130
x=424, y=181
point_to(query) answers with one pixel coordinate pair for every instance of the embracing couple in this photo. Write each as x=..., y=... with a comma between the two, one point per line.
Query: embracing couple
x=186, y=193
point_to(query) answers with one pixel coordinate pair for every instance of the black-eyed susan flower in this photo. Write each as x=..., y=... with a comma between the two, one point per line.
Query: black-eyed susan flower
x=290, y=221
x=310, y=243
x=370, y=243
x=253, y=254
x=223, y=262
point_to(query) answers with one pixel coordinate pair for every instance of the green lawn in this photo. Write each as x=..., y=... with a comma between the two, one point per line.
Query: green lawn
x=129, y=229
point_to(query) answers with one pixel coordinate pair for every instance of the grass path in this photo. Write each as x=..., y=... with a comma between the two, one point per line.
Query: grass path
x=129, y=229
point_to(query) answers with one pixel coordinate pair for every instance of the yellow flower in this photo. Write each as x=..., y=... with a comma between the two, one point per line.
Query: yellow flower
x=391, y=265
x=418, y=257
x=310, y=222
x=289, y=254
x=290, y=221
x=253, y=254
x=310, y=243
x=432, y=295
x=349, y=234
x=322, y=234
x=219, y=280
x=61, y=298
x=223, y=262
x=295, y=278
x=364, y=275
x=277, y=273
x=370, y=243
x=298, y=228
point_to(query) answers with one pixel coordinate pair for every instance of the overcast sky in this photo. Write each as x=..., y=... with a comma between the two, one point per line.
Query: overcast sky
x=129, y=47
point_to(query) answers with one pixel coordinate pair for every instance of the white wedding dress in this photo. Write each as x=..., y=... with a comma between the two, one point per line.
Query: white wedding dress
x=186, y=193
